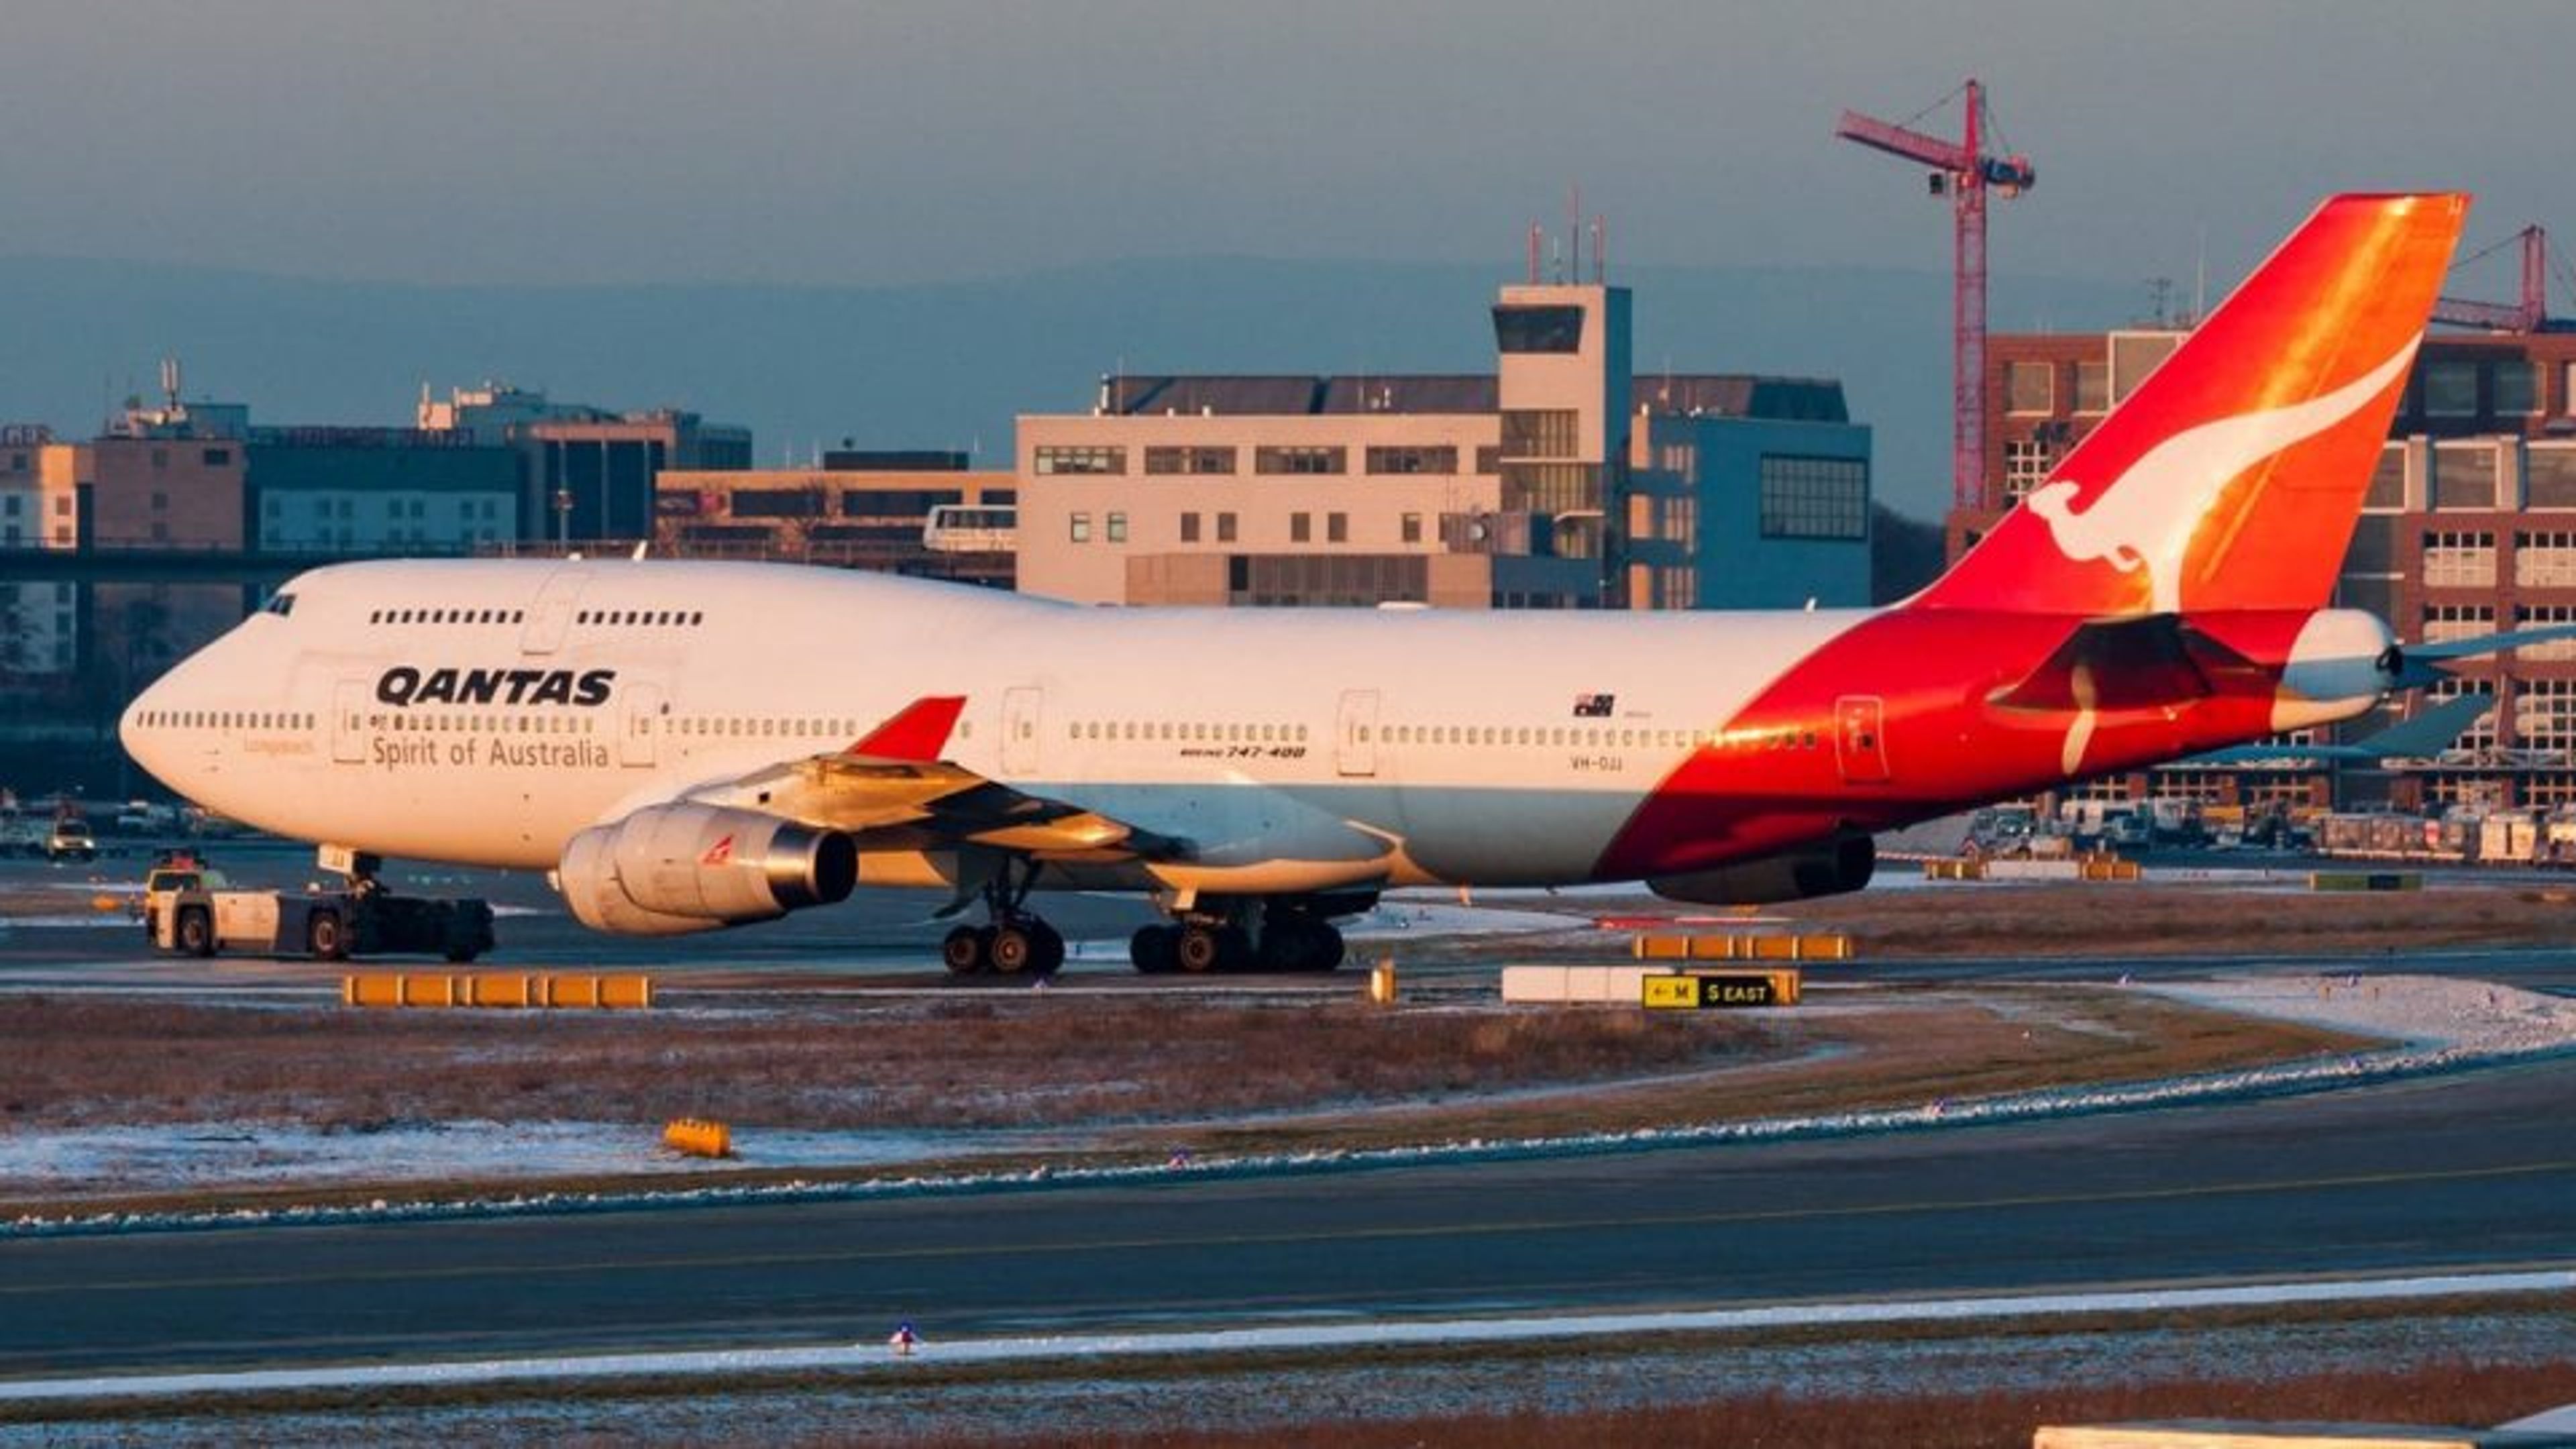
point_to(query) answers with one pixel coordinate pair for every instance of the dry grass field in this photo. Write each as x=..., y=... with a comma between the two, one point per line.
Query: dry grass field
x=2146, y=918
x=2458, y=1393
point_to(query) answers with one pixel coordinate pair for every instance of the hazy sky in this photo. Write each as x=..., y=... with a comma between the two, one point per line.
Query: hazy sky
x=803, y=141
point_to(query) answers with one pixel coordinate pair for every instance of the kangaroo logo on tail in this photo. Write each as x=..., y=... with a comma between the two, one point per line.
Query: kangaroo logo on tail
x=2145, y=518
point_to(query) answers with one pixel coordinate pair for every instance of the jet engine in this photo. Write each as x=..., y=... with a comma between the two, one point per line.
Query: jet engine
x=671, y=869
x=1828, y=868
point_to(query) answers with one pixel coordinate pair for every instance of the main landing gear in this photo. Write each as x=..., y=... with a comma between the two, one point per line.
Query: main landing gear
x=1218, y=936
x=1016, y=943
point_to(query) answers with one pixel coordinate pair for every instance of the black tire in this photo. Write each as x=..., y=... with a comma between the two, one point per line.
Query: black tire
x=1014, y=950
x=1330, y=949
x=1155, y=950
x=324, y=937
x=196, y=932
x=461, y=954
x=1234, y=949
x=1050, y=944
x=963, y=951
x=1199, y=951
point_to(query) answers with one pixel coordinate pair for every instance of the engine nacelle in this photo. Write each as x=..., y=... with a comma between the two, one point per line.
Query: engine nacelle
x=1829, y=868
x=671, y=869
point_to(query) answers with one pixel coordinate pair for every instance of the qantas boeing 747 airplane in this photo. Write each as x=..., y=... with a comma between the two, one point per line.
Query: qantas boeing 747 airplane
x=684, y=746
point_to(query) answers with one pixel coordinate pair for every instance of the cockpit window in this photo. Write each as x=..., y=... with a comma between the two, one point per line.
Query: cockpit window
x=280, y=604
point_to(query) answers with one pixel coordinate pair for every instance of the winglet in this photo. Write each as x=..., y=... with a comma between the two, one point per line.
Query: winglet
x=919, y=731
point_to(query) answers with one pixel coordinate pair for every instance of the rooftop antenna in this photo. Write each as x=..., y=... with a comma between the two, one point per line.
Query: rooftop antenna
x=1600, y=250
x=1574, y=229
x=2200, y=278
x=1535, y=232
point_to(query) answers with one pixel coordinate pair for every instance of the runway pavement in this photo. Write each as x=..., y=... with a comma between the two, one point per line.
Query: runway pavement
x=2473, y=1171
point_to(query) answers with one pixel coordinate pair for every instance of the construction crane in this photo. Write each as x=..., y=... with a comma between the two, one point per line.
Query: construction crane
x=1962, y=170
x=2530, y=314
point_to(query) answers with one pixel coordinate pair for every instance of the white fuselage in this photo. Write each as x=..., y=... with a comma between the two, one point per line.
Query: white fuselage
x=484, y=712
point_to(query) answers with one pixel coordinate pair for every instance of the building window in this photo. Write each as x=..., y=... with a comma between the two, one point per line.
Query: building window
x=1225, y=528
x=2450, y=388
x=1402, y=460
x=1546, y=327
x=1489, y=460
x=2464, y=475
x=2459, y=560
x=1079, y=528
x=2517, y=386
x=2030, y=387
x=2544, y=559
x=2544, y=714
x=1541, y=433
x=2445, y=622
x=1677, y=587
x=1337, y=528
x=1165, y=461
x=1080, y=460
x=2026, y=465
x=1814, y=497
x=219, y=457
x=1410, y=528
x=1279, y=460
x=1301, y=528
x=1189, y=528
x=1117, y=528
x=2542, y=616
x=160, y=501
x=2092, y=387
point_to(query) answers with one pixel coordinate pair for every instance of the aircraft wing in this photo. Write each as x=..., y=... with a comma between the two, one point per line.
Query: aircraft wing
x=892, y=792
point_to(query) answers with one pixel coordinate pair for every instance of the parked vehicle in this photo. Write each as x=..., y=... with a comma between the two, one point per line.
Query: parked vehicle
x=189, y=909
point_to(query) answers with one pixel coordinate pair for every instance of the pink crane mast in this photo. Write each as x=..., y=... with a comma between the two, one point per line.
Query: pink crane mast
x=1962, y=170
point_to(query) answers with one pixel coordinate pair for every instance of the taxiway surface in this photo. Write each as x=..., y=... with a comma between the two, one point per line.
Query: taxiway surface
x=2461, y=1172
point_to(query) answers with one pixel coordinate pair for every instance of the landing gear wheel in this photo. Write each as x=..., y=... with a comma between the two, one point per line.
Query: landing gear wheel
x=325, y=939
x=1155, y=950
x=965, y=951
x=1199, y=950
x=1050, y=944
x=1014, y=949
x=1330, y=949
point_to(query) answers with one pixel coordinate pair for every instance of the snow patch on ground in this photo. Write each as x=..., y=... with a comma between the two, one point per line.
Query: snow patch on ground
x=2425, y=1011
x=190, y=1156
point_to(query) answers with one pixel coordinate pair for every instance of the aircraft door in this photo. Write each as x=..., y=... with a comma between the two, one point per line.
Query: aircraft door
x=349, y=722
x=1355, y=734
x=1023, y=725
x=1860, y=738
x=544, y=631
x=642, y=721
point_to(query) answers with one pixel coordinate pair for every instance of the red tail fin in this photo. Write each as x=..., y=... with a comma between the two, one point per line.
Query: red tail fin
x=2230, y=478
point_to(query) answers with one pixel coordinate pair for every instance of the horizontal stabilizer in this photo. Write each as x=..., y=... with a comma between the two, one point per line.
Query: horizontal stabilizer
x=2429, y=733
x=2124, y=664
x=2412, y=666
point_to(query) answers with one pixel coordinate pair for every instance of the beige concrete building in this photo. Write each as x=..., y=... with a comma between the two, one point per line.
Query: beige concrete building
x=1557, y=481
x=924, y=515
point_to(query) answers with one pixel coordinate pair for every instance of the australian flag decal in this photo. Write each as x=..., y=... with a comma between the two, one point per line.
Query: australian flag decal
x=1595, y=706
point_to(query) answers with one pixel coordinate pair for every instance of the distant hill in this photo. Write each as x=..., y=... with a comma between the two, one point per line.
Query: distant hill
x=949, y=365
